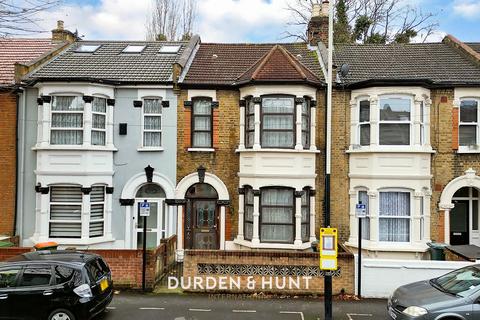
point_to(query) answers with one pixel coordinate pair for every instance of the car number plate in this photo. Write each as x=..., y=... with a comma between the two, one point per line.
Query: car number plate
x=391, y=313
x=103, y=284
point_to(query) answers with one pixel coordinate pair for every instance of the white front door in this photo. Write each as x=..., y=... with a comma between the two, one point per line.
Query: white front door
x=155, y=223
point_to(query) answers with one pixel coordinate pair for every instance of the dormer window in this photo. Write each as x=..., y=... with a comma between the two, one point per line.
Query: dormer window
x=169, y=49
x=87, y=48
x=134, y=49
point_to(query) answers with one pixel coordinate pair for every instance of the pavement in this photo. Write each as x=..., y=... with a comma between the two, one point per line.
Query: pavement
x=236, y=307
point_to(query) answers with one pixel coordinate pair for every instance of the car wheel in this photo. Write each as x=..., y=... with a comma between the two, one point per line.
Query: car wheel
x=61, y=314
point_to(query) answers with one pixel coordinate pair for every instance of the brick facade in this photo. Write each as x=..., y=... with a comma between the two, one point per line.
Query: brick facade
x=223, y=162
x=8, y=152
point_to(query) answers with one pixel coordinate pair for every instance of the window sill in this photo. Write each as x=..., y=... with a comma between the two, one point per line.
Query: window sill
x=72, y=147
x=145, y=149
x=392, y=149
x=200, y=149
x=390, y=246
x=467, y=150
x=278, y=150
x=284, y=246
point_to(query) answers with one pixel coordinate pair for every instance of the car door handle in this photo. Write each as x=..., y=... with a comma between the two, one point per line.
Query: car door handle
x=3, y=296
x=47, y=293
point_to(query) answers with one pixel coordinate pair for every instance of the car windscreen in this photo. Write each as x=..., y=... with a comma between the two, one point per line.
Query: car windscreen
x=96, y=269
x=460, y=282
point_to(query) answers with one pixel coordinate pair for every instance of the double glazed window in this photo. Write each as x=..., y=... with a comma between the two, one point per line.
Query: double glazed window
x=152, y=123
x=67, y=120
x=364, y=122
x=99, y=121
x=306, y=123
x=468, y=127
x=278, y=122
x=248, y=214
x=66, y=207
x=202, y=123
x=305, y=215
x=277, y=214
x=394, y=216
x=249, y=123
x=395, y=118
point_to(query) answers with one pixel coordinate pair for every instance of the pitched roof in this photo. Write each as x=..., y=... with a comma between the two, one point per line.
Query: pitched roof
x=474, y=45
x=109, y=64
x=437, y=63
x=278, y=65
x=22, y=51
x=225, y=63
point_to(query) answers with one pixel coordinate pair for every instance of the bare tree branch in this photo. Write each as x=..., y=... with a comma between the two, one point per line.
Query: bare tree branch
x=171, y=19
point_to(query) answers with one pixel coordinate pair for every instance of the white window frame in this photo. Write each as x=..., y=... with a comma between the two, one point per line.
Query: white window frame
x=360, y=123
x=475, y=147
x=422, y=218
x=367, y=218
x=143, y=131
x=104, y=130
x=422, y=116
x=50, y=203
x=410, y=217
x=82, y=112
x=103, y=203
x=410, y=122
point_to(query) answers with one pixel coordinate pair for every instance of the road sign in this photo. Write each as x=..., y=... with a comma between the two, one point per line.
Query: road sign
x=360, y=210
x=144, y=209
x=328, y=249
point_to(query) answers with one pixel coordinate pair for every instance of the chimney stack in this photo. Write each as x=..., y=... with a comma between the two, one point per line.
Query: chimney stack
x=317, y=29
x=60, y=35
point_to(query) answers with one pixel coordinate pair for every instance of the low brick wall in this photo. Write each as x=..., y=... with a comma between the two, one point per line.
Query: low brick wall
x=262, y=271
x=126, y=265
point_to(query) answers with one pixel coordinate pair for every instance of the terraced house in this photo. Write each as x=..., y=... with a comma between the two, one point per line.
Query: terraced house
x=105, y=142
x=17, y=57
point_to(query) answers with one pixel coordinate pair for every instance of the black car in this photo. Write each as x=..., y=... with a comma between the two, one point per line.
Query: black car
x=54, y=285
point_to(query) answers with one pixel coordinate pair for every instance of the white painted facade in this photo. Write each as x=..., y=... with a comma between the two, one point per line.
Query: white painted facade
x=269, y=167
x=376, y=168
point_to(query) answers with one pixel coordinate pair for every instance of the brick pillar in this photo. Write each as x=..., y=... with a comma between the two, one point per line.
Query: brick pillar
x=215, y=128
x=187, y=128
x=455, y=119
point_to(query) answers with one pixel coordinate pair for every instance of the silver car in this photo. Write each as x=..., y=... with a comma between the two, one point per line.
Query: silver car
x=454, y=296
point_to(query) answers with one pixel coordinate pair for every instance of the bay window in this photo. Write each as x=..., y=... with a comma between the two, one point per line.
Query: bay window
x=202, y=123
x=278, y=122
x=152, y=123
x=248, y=214
x=306, y=123
x=277, y=214
x=364, y=123
x=395, y=120
x=65, y=212
x=305, y=215
x=394, y=216
x=67, y=120
x=97, y=211
x=249, y=123
x=468, y=126
x=99, y=121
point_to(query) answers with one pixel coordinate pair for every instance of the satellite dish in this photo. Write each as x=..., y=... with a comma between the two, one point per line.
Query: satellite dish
x=344, y=69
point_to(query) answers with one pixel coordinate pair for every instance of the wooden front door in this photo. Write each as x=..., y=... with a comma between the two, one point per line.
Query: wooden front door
x=201, y=228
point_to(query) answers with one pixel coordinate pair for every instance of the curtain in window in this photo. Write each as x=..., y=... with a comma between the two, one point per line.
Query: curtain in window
x=152, y=123
x=363, y=198
x=248, y=214
x=152, y=139
x=152, y=106
x=277, y=211
x=65, y=212
x=395, y=216
x=67, y=103
x=305, y=229
x=67, y=114
x=278, y=123
x=202, y=119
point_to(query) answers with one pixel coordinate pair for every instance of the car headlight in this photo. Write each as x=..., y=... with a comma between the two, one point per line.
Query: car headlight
x=415, y=311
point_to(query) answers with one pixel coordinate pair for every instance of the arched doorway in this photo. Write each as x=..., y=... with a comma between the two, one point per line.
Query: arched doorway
x=464, y=217
x=156, y=222
x=201, y=218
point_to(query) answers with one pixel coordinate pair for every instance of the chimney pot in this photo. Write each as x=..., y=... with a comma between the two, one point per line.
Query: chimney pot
x=60, y=25
x=316, y=10
x=325, y=8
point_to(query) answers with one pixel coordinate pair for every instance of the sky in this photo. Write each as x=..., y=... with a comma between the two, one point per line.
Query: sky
x=232, y=20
